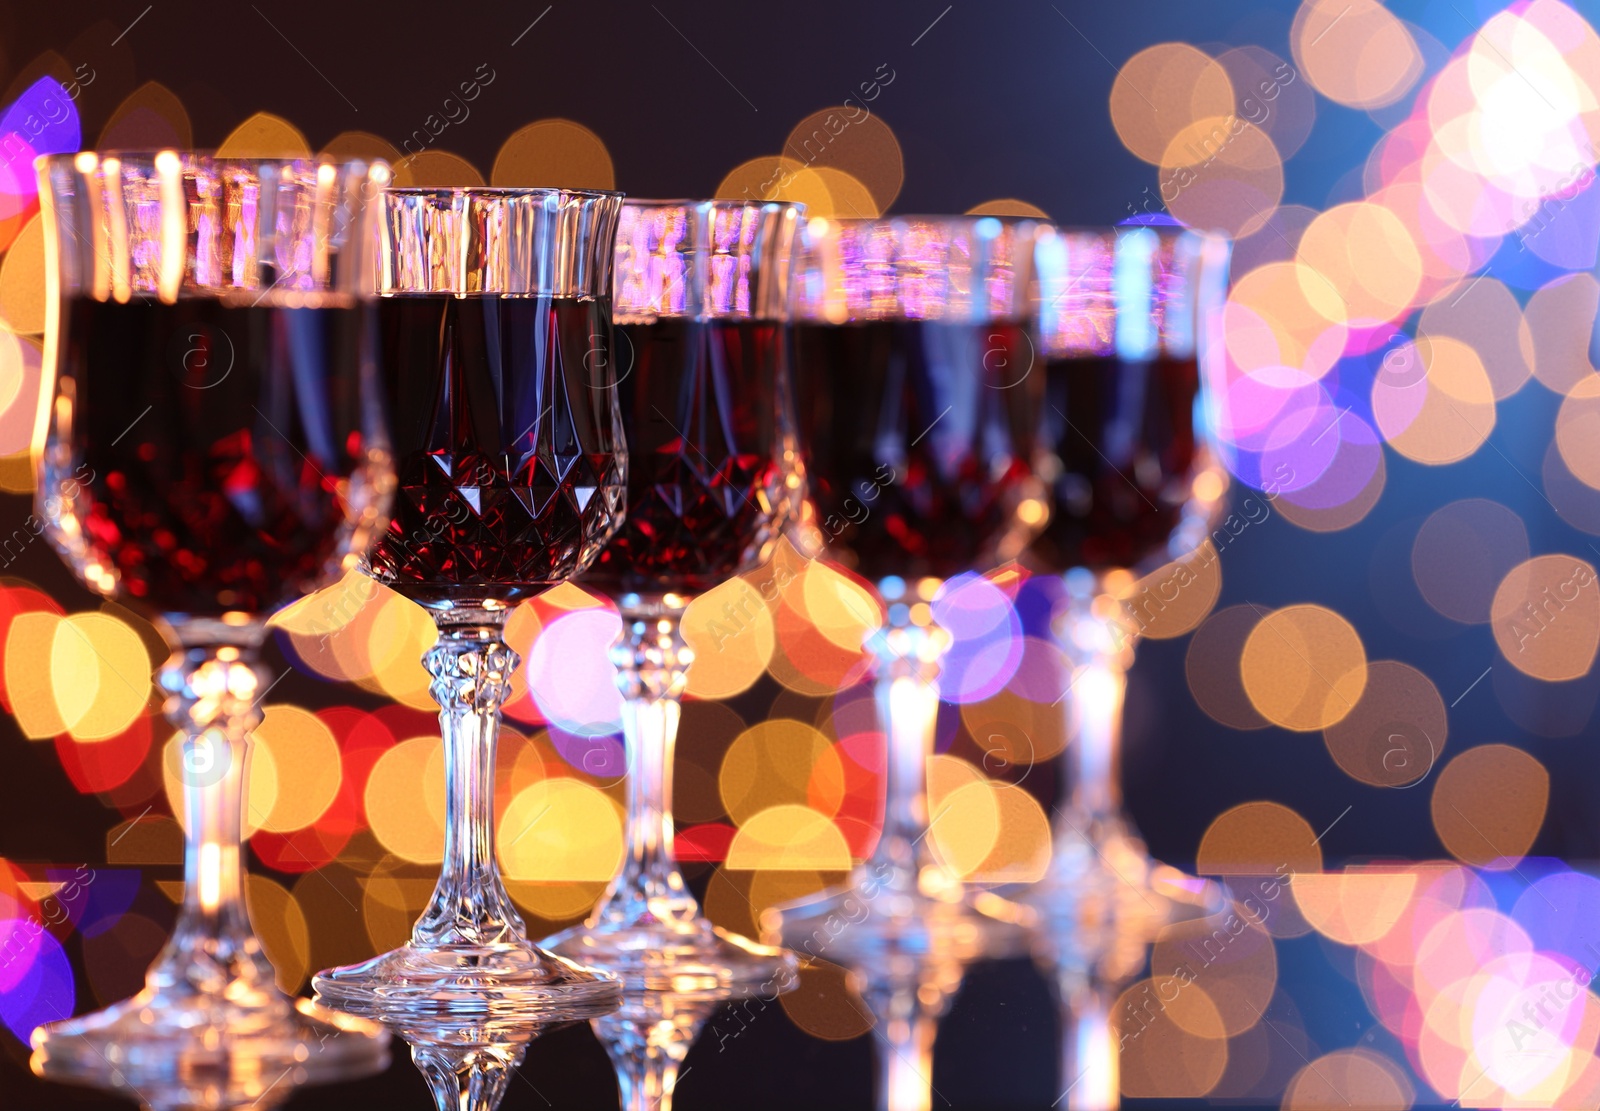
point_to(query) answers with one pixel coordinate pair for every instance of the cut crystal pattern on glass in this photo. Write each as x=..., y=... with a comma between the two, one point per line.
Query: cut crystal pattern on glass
x=212, y=448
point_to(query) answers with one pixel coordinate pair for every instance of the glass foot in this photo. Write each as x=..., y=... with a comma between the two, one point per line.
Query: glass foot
x=208, y=1051
x=884, y=911
x=477, y=984
x=689, y=959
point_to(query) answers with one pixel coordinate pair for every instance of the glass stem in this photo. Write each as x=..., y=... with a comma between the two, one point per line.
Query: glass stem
x=907, y=693
x=646, y=1080
x=905, y=1057
x=467, y=1077
x=651, y=659
x=1099, y=650
x=471, y=668
x=1090, y=1076
x=211, y=697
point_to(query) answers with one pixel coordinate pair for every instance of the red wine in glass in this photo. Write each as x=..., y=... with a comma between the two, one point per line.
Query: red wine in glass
x=509, y=476
x=918, y=437
x=1121, y=441
x=707, y=488
x=214, y=443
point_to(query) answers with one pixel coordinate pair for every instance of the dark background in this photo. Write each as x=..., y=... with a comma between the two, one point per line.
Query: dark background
x=992, y=100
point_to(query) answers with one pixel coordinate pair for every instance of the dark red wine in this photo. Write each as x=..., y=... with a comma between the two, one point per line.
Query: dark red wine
x=212, y=444
x=1123, y=434
x=507, y=443
x=705, y=406
x=918, y=440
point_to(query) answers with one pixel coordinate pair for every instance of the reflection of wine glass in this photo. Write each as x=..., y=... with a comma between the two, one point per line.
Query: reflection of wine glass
x=917, y=400
x=213, y=448
x=701, y=299
x=494, y=341
x=1125, y=319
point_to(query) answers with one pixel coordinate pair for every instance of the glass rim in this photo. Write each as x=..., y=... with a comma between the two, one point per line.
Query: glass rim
x=714, y=202
x=150, y=154
x=934, y=218
x=500, y=191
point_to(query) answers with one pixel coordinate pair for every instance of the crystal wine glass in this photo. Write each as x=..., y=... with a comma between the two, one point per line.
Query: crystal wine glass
x=494, y=342
x=1126, y=320
x=917, y=403
x=212, y=448
x=702, y=302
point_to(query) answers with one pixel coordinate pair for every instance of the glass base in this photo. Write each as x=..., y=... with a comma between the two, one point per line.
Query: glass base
x=690, y=959
x=872, y=918
x=1104, y=900
x=172, y=1050
x=517, y=982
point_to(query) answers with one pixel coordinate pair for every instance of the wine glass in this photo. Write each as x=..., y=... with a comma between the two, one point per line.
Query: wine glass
x=702, y=303
x=494, y=344
x=1127, y=320
x=917, y=403
x=212, y=448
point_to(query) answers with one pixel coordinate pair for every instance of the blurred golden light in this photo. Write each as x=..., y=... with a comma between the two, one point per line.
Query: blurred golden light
x=1489, y=804
x=1397, y=730
x=1355, y=52
x=1367, y=254
x=1269, y=93
x=1346, y=513
x=435, y=169
x=362, y=145
x=705, y=731
x=1174, y=598
x=561, y=830
x=149, y=118
x=1232, y=957
x=1163, y=89
x=1009, y=206
x=1486, y=317
x=773, y=177
x=553, y=153
x=1349, y=1078
x=401, y=632
x=264, y=135
x=22, y=285
x=1461, y=554
x=838, y=606
x=1222, y=173
x=847, y=197
x=1211, y=666
x=789, y=838
x=825, y=1005
x=863, y=148
x=1578, y=431
x=281, y=925
x=1546, y=617
x=1018, y=732
x=963, y=821
x=1357, y=906
x=1304, y=667
x=1161, y=1058
x=731, y=631
x=772, y=763
x=30, y=641
x=397, y=800
x=99, y=673
x=1455, y=412
x=306, y=756
x=1560, y=317
x=1278, y=316
x=1258, y=838
x=329, y=610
